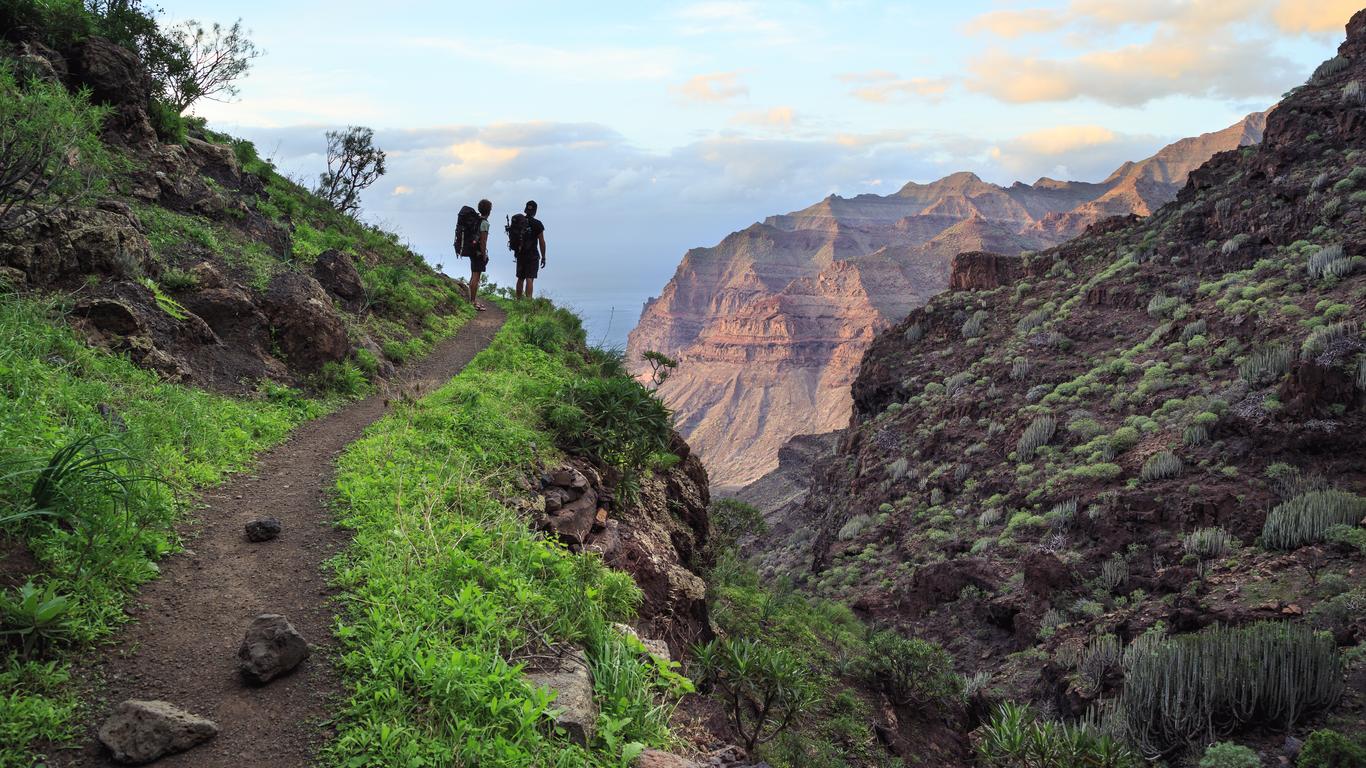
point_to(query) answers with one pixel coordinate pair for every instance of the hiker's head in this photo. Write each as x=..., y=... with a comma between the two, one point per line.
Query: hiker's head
x=485, y=208
x=530, y=208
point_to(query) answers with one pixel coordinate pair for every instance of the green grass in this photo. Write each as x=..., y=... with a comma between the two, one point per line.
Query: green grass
x=52, y=390
x=447, y=589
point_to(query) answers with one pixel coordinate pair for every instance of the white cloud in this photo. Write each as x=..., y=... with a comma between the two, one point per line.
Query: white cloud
x=778, y=118
x=880, y=86
x=713, y=88
x=737, y=18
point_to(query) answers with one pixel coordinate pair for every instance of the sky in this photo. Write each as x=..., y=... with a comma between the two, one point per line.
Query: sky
x=646, y=128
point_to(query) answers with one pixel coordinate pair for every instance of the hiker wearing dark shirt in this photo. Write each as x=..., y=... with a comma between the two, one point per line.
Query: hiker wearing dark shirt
x=526, y=238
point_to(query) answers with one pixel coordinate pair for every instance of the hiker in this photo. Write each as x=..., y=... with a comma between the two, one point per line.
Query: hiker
x=472, y=240
x=526, y=240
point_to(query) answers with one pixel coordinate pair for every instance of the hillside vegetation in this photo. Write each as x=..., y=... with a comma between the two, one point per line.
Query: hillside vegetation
x=1122, y=479
x=165, y=315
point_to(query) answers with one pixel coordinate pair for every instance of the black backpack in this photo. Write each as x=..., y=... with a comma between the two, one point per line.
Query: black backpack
x=467, y=232
x=523, y=234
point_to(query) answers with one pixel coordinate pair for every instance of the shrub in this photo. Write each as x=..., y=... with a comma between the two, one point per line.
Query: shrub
x=1306, y=518
x=615, y=420
x=765, y=690
x=1161, y=466
x=51, y=155
x=167, y=122
x=1016, y=737
x=1162, y=305
x=1114, y=573
x=910, y=670
x=729, y=520
x=1035, y=436
x=1353, y=94
x=855, y=525
x=1033, y=320
x=1329, y=749
x=954, y=384
x=915, y=332
x=1229, y=755
x=1329, y=68
x=1197, y=328
x=344, y=378
x=1266, y=364
x=1202, y=685
x=353, y=164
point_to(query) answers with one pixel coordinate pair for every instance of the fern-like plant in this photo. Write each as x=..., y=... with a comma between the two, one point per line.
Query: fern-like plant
x=1306, y=518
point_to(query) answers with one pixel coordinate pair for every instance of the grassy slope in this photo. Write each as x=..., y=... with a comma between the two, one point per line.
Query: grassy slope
x=447, y=588
x=52, y=391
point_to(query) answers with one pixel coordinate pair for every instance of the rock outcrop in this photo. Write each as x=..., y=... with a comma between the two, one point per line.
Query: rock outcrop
x=769, y=325
x=565, y=672
x=658, y=537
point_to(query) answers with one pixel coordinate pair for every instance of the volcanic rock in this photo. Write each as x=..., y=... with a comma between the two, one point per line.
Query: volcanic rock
x=142, y=731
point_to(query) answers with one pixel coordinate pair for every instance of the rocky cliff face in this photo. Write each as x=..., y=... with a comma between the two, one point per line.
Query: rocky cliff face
x=770, y=324
x=1121, y=437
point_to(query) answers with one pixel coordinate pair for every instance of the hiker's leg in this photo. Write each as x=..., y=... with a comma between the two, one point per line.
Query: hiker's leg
x=530, y=281
x=520, y=282
x=474, y=287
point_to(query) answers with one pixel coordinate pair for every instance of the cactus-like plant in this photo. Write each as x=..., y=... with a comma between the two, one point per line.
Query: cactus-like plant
x=1305, y=518
x=1321, y=338
x=1266, y=364
x=1353, y=94
x=1033, y=320
x=1209, y=543
x=1320, y=263
x=1203, y=685
x=954, y=384
x=1020, y=369
x=1195, y=434
x=1197, y=328
x=1161, y=305
x=1035, y=436
x=914, y=333
x=1102, y=656
x=1161, y=466
x=1329, y=68
x=976, y=325
x=1114, y=572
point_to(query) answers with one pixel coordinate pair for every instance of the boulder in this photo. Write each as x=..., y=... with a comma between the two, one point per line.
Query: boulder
x=566, y=674
x=12, y=279
x=263, y=529
x=982, y=271
x=142, y=731
x=216, y=161
x=271, y=647
x=307, y=327
x=336, y=273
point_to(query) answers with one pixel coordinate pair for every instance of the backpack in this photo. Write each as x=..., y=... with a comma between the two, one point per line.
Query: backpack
x=523, y=234
x=467, y=232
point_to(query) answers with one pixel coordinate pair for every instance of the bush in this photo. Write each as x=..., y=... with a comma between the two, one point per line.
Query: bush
x=615, y=420
x=1017, y=738
x=765, y=690
x=51, y=155
x=1266, y=364
x=1202, y=685
x=1325, y=336
x=730, y=520
x=976, y=325
x=344, y=378
x=1330, y=749
x=1208, y=543
x=910, y=670
x=1306, y=518
x=1228, y=755
x=167, y=122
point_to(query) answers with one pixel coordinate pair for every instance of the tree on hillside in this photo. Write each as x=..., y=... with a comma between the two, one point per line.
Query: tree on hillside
x=353, y=164
x=216, y=58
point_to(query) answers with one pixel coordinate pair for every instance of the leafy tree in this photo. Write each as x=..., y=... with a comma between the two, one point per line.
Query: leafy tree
x=50, y=150
x=765, y=690
x=353, y=164
x=732, y=519
x=216, y=58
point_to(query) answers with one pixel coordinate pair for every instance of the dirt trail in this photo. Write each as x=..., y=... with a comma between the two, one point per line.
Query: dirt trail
x=188, y=624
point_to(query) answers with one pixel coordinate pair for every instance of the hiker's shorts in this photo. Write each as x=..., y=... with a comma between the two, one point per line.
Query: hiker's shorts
x=479, y=264
x=528, y=267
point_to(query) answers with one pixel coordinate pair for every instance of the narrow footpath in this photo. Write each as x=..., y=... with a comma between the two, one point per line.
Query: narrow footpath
x=188, y=624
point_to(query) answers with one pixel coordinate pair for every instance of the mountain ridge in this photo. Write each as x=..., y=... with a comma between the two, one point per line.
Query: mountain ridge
x=717, y=301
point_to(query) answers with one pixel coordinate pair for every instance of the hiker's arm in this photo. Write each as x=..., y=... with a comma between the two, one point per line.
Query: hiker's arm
x=484, y=243
x=543, y=249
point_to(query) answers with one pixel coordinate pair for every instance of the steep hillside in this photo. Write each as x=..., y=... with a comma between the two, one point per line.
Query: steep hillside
x=1080, y=469
x=769, y=325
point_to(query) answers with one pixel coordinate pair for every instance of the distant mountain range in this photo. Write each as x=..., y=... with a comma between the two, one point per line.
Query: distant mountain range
x=770, y=324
